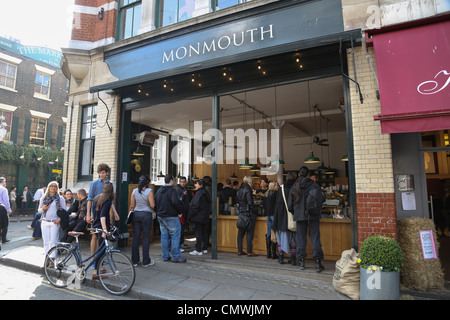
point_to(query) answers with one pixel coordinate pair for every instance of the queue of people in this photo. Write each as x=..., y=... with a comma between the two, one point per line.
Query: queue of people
x=175, y=206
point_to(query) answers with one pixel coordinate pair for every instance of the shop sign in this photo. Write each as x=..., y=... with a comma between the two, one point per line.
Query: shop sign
x=272, y=32
x=46, y=55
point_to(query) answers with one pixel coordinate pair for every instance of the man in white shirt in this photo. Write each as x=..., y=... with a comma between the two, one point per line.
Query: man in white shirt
x=38, y=195
x=5, y=210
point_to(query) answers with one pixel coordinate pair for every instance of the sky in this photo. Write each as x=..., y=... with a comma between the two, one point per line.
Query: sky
x=45, y=23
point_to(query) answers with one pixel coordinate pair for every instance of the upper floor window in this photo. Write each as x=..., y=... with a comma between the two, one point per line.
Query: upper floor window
x=8, y=74
x=130, y=18
x=42, y=85
x=173, y=11
x=222, y=4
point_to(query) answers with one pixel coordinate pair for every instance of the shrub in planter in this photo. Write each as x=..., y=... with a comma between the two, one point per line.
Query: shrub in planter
x=380, y=258
x=382, y=252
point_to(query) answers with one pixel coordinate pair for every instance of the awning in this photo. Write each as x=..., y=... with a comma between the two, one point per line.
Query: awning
x=413, y=68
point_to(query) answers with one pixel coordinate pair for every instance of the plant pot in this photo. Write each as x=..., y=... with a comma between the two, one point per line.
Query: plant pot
x=379, y=285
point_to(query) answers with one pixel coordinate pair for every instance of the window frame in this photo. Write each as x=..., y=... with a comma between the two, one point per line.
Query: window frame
x=123, y=8
x=39, y=94
x=4, y=115
x=6, y=75
x=92, y=122
x=43, y=139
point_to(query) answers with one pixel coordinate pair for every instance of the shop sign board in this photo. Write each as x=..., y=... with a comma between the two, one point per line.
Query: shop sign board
x=268, y=32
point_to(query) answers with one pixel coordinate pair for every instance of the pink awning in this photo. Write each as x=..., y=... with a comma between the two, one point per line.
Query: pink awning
x=413, y=68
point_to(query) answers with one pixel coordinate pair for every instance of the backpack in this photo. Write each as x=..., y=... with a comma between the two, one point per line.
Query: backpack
x=314, y=200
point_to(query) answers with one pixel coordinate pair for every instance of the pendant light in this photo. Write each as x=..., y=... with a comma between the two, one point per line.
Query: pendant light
x=344, y=157
x=329, y=170
x=246, y=165
x=233, y=177
x=311, y=158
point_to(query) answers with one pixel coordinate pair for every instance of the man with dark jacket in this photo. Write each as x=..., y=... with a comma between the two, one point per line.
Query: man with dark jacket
x=305, y=200
x=168, y=209
x=199, y=212
x=224, y=198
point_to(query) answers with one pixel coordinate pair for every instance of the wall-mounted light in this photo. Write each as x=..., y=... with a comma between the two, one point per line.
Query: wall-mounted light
x=100, y=13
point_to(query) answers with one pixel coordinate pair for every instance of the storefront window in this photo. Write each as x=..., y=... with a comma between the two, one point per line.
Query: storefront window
x=173, y=11
x=37, y=131
x=130, y=13
x=88, y=127
x=183, y=156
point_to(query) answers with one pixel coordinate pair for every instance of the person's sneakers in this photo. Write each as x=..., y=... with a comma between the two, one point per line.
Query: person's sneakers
x=30, y=228
x=205, y=251
x=195, y=253
x=179, y=260
x=148, y=265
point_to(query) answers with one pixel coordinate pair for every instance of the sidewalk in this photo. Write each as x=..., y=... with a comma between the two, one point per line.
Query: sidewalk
x=230, y=277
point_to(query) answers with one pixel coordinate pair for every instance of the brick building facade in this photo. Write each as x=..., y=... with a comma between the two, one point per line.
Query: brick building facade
x=33, y=102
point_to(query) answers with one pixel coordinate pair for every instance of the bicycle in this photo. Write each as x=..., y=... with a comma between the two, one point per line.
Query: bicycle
x=64, y=265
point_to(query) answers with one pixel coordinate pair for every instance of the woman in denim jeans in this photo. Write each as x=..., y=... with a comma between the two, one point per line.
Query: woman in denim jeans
x=142, y=203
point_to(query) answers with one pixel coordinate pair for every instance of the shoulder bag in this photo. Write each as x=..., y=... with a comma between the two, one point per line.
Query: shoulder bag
x=291, y=225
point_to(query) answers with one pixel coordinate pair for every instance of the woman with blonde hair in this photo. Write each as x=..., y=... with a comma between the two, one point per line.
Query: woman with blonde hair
x=49, y=204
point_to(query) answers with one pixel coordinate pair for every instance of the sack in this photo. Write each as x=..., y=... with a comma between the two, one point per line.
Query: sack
x=291, y=225
x=244, y=221
x=64, y=216
x=130, y=217
x=314, y=200
x=347, y=274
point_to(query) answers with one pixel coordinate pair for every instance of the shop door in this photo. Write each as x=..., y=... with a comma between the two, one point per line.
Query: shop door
x=437, y=171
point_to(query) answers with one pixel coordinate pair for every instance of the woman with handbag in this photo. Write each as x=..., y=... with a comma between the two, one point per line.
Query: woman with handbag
x=247, y=216
x=49, y=205
x=142, y=204
x=285, y=236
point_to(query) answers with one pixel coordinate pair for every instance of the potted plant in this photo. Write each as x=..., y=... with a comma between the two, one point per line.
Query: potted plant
x=380, y=260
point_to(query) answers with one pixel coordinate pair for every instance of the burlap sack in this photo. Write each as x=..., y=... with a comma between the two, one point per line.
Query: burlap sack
x=347, y=274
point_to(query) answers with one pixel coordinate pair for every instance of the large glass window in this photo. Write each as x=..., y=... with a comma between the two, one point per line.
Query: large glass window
x=88, y=127
x=7, y=75
x=38, y=131
x=173, y=11
x=130, y=18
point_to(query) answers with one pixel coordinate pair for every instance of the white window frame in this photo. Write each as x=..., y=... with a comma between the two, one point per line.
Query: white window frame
x=10, y=61
x=45, y=72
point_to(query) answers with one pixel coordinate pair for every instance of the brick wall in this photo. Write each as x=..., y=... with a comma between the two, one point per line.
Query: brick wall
x=23, y=96
x=374, y=175
x=88, y=27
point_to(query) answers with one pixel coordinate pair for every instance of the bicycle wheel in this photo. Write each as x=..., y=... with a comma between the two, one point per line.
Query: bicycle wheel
x=119, y=274
x=60, y=266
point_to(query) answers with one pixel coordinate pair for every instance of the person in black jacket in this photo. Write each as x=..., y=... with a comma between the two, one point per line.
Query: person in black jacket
x=199, y=212
x=244, y=198
x=304, y=192
x=285, y=237
x=168, y=209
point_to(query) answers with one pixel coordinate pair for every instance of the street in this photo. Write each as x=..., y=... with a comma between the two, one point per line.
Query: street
x=19, y=284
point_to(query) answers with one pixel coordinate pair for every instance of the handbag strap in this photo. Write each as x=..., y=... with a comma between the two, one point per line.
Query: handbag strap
x=284, y=198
